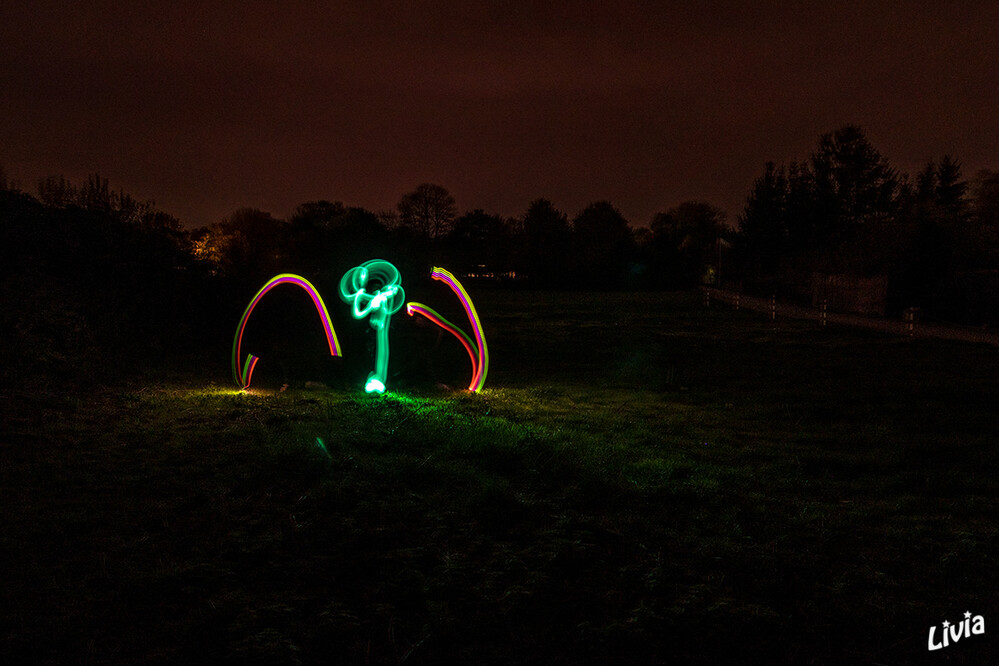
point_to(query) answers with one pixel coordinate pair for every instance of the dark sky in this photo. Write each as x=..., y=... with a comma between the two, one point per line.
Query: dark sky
x=207, y=107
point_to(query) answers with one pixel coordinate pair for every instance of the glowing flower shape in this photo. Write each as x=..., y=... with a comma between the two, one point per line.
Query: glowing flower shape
x=375, y=291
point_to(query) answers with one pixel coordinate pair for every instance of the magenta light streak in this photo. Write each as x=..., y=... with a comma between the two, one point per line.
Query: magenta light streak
x=482, y=367
x=243, y=376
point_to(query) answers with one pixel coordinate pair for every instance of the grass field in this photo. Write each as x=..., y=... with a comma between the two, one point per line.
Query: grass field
x=644, y=480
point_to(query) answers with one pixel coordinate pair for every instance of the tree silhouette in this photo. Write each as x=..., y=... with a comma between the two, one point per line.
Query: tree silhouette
x=479, y=242
x=951, y=190
x=325, y=237
x=602, y=247
x=546, y=236
x=96, y=196
x=317, y=214
x=687, y=241
x=222, y=252
x=764, y=228
x=985, y=211
x=853, y=183
x=931, y=238
x=429, y=210
x=56, y=191
x=249, y=244
x=826, y=214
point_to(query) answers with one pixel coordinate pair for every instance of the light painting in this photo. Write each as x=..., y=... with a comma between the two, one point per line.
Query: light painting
x=374, y=291
x=475, y=345
x=243, y=374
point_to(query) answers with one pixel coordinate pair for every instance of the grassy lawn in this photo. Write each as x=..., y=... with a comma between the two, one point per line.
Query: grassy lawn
x=644, y=480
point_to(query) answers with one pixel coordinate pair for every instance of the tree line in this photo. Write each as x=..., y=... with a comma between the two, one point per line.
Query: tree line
x=933, y=238
x=844, y=210
x=81, y=262
x=543, y=248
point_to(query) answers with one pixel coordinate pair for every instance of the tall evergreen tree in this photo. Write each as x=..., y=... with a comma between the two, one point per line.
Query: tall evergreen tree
x=812, y=214
x=951, y=190
x=985, y=212
x=853, y=183
x=763, y=233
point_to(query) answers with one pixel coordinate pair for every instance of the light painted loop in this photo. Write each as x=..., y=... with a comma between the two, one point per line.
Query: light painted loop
x=378, y=305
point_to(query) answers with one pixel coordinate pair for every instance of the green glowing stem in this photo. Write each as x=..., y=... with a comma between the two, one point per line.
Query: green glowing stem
x=381, y=351
x=378, y=305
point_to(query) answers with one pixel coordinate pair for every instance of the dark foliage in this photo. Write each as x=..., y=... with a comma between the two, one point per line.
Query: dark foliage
x=846, y=211
x=688, y=243
x=545, y=236
x=88, y=288
x=601, y=247
x=90, y=274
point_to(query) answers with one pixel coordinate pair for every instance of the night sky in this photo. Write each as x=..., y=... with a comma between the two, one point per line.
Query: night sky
x=206, y=109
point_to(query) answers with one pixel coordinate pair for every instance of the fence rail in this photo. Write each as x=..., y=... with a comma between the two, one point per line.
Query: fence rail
x=909, y=327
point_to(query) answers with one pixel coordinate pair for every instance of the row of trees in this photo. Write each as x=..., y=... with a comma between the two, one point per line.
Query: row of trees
x=846, y=210
x=93, y=280
x=543, y=248
x=89, y=285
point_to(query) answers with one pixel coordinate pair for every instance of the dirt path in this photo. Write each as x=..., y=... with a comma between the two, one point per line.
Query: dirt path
x=916, y=329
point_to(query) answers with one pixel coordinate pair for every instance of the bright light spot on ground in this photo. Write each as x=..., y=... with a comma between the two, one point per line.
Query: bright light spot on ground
x=211, y=392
